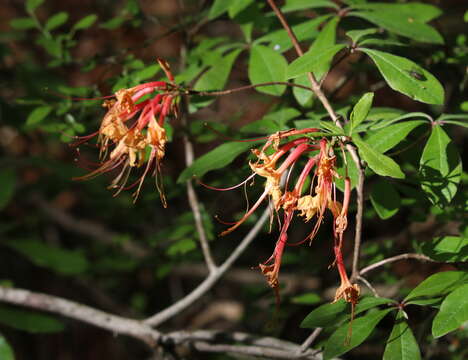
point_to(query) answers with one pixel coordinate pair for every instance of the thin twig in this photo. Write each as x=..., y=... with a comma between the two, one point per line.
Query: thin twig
x=194, y=202
x=211, y=280
x=368, y=284
x=71, y=309
x=247, y=87
x=358, y=227
x=310, y=340
x=389, y=260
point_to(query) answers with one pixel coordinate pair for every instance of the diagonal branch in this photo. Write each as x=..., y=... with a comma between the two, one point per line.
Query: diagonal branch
x=389, y=260
x=71, y=309
x=211, y=280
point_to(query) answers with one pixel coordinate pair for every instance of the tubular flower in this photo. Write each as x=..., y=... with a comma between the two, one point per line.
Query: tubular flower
x=320, y=165
x=131, y=126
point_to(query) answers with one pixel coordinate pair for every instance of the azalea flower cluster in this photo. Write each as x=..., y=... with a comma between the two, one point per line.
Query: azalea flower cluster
x=132, y=127
x=286, y=201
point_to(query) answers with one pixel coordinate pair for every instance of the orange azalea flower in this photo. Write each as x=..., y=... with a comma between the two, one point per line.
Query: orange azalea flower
x=132, y=126
x=321, y=198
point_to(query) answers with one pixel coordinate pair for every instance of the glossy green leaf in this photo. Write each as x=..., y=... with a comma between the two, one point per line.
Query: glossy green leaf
x=356, y=35
x=447, y=249
x=453, y=312
x=56, y=20
x=332, y=314
x=85, y=22
x=399, y=73
x=37, y=115
x=216, y=77
x=363, y=326
x=272, y=122
x=7, y=186
x=294, y=5
x=279, y=40
x=311, y=61
x=219, y=7
x=145, y=73
x=29, y=321
x=455, y=122
x=380, y=163
x=406, y=26
x=410, y=10
x=328, y=125
x=219, y=157
x=306, y=299
x=6, y=352
x=401, y=344
x=440, y=168
x=237, y=7
x=32, y=5
x=325, y=315
x=385, y=199
x=438, y=284
x=66, y=262
x=390, y=136
x=267, y=65
x=360, y=111
x=303, y=96
x=23, y=23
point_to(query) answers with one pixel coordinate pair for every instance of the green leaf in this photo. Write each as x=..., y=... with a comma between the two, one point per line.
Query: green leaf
x=272, y=122
x=218, y=8
x=66, y=262
x=23, y=23
x=328, y=125
x=303, y=96
x=385, y=199
x=279, y=39
x=85, y=22
x=362, y=328
x=238, y=6
x=294, y=5
x=454, y=122
x=411, y=10
x=52, y=45
x=440, y=168
x=390, y=136
x=447, y=249
x=356, y=35
x=37, y=115
x=311, y=61
x=332, y=314
x=6, y=352
x=216, y=77
x=307, y=299
x=32, y=5
x=380, y=163
x=401, y=344
x=29, y=321
x=219, y=157
x=181, y=247
x=438, y=284
x=267, y=65
x=146, y=73
x=325, y=315
x=360, y=111
x=453, y=312
x=401, y=25
x=399, y=73
x=56, y=20
x=7, y=187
